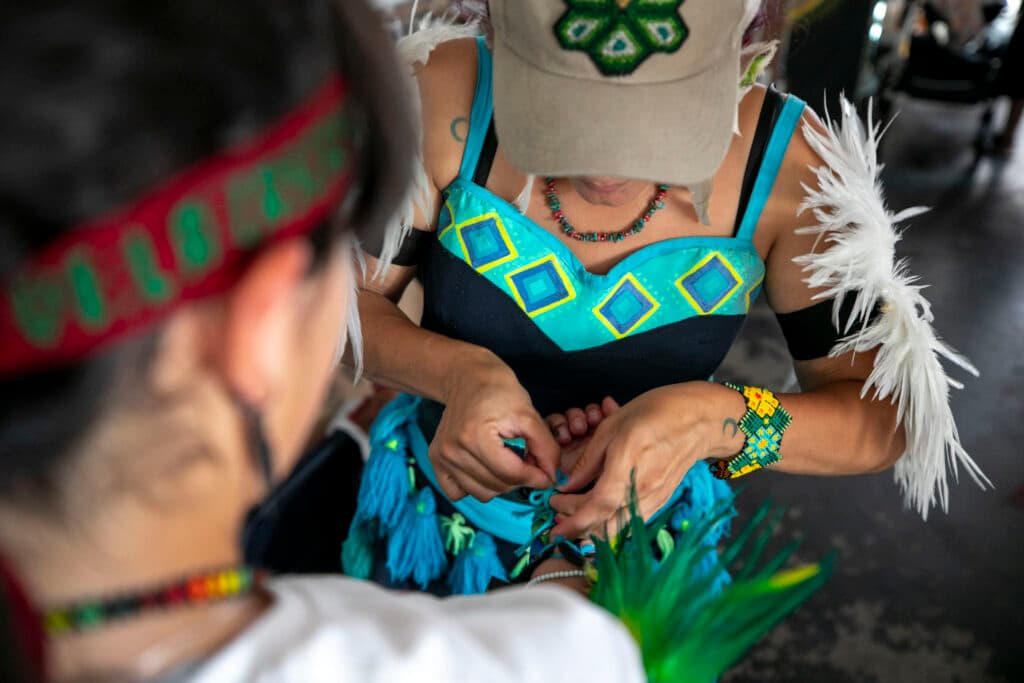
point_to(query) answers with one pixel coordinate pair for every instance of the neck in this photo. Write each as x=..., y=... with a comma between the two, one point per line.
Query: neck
x=130, y=546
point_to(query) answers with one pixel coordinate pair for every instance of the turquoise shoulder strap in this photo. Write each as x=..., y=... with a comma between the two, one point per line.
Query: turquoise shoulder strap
x=483, y=109
x=775, y=152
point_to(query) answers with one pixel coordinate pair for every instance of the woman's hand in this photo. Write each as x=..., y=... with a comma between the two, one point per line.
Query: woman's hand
x=655, y=438
x=574, y=428
x=484, y=405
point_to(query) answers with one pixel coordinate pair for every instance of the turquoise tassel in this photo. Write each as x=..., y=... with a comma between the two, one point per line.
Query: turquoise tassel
x=415, y=548
x=385, y=486
x=702, y=495
x=357, y=550
x=476, y=566
x=393, y=417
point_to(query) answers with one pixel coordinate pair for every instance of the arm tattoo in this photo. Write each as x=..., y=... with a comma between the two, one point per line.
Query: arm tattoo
x=729, y=422
x=459, y=124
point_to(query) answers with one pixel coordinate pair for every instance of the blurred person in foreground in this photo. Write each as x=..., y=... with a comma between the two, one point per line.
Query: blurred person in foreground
x=180, y=187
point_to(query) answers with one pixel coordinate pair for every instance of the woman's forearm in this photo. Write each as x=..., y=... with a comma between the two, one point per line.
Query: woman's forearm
x=833, y=431
x=400, y=354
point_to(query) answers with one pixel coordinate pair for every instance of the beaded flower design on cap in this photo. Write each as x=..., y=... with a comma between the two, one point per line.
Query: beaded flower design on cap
x=619, y=35
x=640, y=89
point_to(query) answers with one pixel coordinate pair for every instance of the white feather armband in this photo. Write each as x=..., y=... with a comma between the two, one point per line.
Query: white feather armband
x=860, y=261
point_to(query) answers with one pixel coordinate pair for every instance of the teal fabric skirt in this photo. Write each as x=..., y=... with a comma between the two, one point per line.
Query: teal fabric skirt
x=406, y=534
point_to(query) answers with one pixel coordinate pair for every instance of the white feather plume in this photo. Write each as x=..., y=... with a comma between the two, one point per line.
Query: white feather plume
x=860, y=261
x=522, y=201
x=415, y=49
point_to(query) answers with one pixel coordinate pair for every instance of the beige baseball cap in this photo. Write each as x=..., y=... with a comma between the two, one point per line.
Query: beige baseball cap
x=643, y=89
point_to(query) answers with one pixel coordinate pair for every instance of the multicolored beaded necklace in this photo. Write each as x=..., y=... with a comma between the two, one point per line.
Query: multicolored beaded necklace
x=209, y=587
x=556, y=210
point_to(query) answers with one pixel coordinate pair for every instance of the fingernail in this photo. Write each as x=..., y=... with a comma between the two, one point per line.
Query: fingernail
x=579, y=424
x=563, y=434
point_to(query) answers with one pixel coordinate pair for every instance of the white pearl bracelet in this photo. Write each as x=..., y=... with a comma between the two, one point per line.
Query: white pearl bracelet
x=575, y=573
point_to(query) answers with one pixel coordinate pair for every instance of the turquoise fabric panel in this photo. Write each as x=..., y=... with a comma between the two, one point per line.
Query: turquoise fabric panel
x=774, y=154
x=483, y=108
x=660, y=284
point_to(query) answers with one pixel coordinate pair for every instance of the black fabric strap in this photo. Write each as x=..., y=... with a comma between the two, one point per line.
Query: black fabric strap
x=483, y=164
x=770, y=109
x=409, y=253
x=810, y=333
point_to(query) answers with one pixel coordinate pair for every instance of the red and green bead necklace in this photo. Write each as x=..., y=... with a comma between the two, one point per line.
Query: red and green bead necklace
x=556, y=211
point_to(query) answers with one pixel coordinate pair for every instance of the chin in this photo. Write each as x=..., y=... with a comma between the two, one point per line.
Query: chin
x=607, y=191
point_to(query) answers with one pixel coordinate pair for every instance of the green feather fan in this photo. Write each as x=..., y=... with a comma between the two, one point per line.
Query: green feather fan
x=687, y=631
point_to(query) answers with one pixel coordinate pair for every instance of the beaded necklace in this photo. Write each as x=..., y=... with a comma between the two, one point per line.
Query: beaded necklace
x=556, y=210
x=214, y=586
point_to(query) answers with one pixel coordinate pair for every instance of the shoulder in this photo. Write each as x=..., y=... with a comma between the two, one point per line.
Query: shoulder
x=782, y=214
x=321, y=627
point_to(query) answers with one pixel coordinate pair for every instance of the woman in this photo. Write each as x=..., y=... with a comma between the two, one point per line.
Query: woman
x=590, y=290
x=180, y=185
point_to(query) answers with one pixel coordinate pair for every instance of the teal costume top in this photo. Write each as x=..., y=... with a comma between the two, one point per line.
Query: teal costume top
x=665, y=314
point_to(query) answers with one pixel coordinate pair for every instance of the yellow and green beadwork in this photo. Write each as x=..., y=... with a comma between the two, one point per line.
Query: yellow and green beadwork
x=763, y=424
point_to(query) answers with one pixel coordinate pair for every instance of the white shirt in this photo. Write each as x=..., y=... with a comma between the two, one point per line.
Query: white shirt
x=334, y=629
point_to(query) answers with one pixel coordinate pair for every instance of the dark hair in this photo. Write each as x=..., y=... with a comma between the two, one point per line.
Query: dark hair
x=101, y=100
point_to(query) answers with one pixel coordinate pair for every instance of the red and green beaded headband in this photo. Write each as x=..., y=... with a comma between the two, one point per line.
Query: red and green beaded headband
x=188, y=239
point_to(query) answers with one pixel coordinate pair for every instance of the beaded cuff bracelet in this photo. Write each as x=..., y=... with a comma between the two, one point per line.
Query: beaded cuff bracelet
x=763, y=423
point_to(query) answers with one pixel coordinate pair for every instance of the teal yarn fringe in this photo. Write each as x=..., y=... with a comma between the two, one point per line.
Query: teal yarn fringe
x=392, y=418
x=357, y=550
x=415, y=548
x=703, y=494
x=476, y=566
x=384, y=489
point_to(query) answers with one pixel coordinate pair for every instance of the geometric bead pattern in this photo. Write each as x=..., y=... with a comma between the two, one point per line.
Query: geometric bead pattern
x=620, y=35
x=763, y=424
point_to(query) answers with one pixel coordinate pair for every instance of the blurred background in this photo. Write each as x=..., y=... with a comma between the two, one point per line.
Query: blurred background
x=937, y=601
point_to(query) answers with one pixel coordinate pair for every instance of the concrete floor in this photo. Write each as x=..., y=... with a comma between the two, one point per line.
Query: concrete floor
x=937, y=601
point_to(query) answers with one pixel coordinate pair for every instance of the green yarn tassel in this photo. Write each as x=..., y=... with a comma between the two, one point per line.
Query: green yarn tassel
x=476, y=566
x=357, y=550
x=415, y=548
x=687, y=633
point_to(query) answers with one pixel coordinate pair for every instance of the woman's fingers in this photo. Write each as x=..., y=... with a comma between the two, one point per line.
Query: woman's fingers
x=592, y=460
x=609, y=405
x=541, y=449
x=449, y=486
x=567, y=503
x=559, y=426
x=594, y=415
x=577, y=422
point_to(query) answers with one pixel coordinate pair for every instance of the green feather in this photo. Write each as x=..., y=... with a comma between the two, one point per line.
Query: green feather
x=687, y=633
